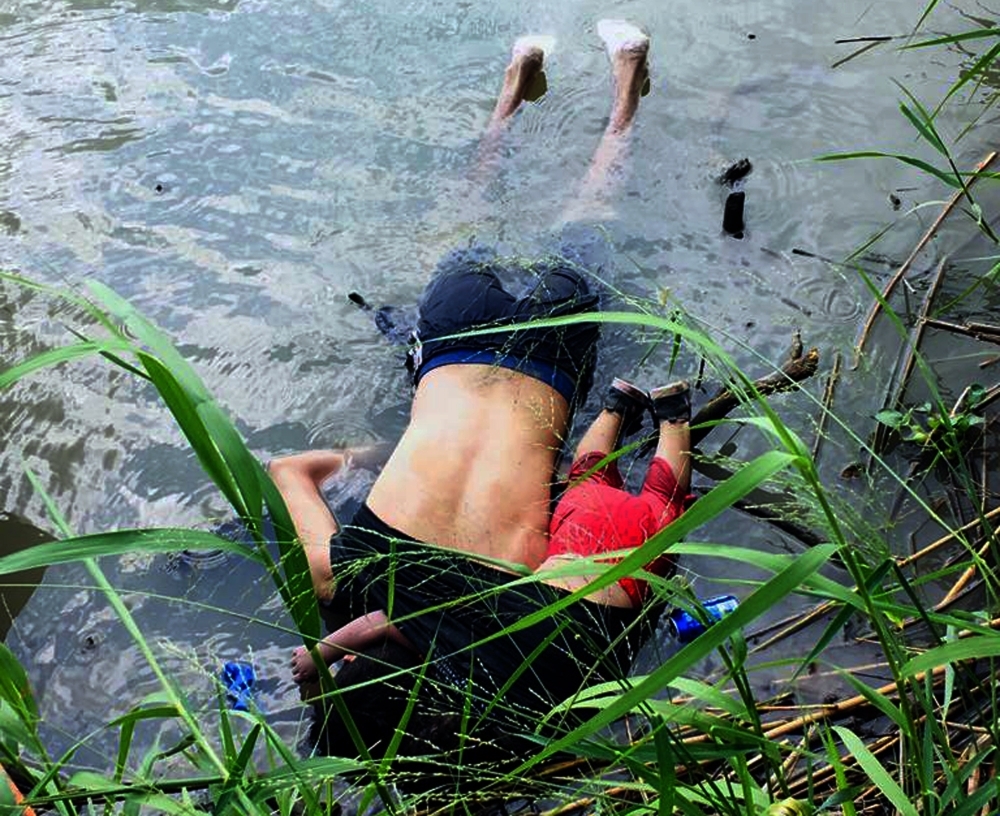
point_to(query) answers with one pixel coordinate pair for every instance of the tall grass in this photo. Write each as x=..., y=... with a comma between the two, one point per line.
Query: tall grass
x=920, y=739
x=220, y=762
x=705, y=746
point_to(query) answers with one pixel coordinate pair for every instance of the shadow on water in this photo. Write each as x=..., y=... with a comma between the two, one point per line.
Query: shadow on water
x=16, y=534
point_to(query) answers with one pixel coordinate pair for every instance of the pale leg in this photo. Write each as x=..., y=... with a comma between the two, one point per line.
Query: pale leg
x=526, y=61
x=628, y=49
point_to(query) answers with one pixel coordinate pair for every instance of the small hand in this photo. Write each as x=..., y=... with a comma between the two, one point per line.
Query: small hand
x=303, y=666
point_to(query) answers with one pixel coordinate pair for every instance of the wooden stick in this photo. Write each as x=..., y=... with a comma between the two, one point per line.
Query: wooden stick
x=828, y=394
x=967, y=330
x=799, y=366
x=842, y=706
x=876, y=307
x=793, y=624
x=963, y=579
x=947, y=539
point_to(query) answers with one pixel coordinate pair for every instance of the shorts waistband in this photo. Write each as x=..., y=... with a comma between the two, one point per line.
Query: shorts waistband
x=536, y=369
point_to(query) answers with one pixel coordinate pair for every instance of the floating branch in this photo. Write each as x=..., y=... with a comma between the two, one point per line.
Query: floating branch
x=828, y=395
x=901, y=272
x=797, y=367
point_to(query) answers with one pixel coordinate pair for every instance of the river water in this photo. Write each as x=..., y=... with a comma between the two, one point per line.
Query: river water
x=234, y=169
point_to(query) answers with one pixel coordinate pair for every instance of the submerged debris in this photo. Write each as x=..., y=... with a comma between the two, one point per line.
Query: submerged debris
x=737, y=171
x=732, y=216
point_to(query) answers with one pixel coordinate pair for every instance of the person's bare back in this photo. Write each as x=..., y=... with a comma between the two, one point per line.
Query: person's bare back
x=473, y=470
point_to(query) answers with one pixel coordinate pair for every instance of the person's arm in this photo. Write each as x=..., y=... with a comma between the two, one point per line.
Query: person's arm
x=348, y=639
x=299, y=478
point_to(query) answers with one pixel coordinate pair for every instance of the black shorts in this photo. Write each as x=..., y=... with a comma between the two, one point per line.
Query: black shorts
x=445, y=602
x=468, y=292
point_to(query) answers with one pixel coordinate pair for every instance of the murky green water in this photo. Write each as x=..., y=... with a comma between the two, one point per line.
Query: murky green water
x=235, y=168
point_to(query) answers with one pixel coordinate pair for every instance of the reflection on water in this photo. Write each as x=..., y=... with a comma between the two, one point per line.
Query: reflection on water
x=236, y=168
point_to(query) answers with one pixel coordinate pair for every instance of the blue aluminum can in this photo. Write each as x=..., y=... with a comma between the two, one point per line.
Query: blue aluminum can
x=685, y=627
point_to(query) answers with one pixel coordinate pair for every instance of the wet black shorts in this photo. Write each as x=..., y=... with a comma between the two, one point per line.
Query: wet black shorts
x=471, y=289
x=444, y=602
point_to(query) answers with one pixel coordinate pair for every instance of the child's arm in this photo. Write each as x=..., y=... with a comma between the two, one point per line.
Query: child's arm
x=348, y=639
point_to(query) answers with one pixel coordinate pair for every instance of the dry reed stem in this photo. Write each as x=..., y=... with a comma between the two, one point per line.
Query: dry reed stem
x=795, y=623
x=948, y=538
x=828, y=394
x=891, y=285
x=963, y=579
x=792, y=624
x=966, y=330
x=842, y=706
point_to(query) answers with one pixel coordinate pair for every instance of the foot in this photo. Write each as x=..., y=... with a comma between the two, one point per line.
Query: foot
x=628, y=48
x=304, y=669
x=524, y=75
x=672, y=403
x=629, y=402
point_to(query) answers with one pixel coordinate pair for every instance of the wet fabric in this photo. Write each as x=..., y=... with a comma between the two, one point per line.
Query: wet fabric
x=597, y=515
x=446, y=603
x=471, y=289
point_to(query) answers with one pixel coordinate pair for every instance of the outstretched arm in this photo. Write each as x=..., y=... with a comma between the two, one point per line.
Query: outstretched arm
x=349, y=639
x=299, y=478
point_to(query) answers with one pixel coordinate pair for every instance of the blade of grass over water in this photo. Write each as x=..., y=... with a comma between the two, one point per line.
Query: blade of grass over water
x=173, y=693
x=749, y=609
x=122, y=542
x=703, y=718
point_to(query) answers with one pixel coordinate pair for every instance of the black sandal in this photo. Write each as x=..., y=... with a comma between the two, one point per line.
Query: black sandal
x=629, y=402
x=672, y=403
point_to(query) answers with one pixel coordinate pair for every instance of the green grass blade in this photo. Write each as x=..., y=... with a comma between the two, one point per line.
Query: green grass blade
x=982, y=66
x=153, y=338
x=15, y=690
x=972, y=648
x=926, y=13
x=120, y=542
x=184, y=403
x=667, y=782
x=879, y=701
x=951, y=39
x=943, y=175
x=924, y=128
x=174, y=694
x=749, y=610
x=15, y=731
x=237, y=769
x=876, y=772
x=47, y=359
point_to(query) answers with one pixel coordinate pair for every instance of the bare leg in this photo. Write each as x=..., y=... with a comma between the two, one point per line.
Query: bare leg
x=602, y=436
x=675, y=446
x=628, y=49
x=672, y=407
x=525, y=70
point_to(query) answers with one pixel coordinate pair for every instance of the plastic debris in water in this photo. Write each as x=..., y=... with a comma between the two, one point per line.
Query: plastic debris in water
x=685, y=627
x=239, y=680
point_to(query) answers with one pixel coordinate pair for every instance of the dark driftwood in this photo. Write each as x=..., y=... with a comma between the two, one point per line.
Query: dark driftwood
x=799, y=366
x=901, y=272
